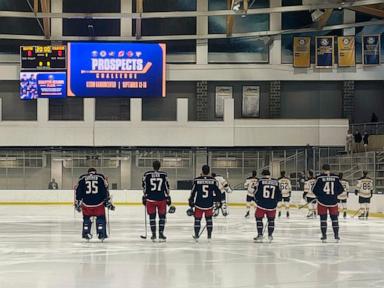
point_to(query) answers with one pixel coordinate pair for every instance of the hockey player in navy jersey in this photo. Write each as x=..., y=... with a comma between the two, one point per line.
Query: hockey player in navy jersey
x=92, y=196
x=327, y=188
x=156, y=198
x=205, y=195
x=267, y=196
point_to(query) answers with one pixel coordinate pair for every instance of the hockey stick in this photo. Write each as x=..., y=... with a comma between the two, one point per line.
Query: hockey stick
x=306, y=205
x=202, y=230
x=357, y=212
x=145, y=225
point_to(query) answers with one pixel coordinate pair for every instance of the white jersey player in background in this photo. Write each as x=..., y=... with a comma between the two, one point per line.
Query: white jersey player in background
x=364, y=190
x=342, y=198
x=250, y=185
x=224, y=188
x=309, y=196
x=286, y=190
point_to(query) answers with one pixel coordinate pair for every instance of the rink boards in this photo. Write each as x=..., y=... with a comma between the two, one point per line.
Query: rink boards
x=133, y=197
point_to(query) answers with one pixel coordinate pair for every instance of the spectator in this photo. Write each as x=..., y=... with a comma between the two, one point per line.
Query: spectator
x=365, y=140
x=348, y=142
x=53, y=185
x=374, y=118
x=358, y=138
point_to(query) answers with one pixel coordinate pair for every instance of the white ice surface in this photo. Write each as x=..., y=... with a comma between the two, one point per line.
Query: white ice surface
x=40, y=247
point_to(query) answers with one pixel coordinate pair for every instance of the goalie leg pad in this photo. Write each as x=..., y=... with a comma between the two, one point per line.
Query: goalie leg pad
x=87, y=226
x=101, y=225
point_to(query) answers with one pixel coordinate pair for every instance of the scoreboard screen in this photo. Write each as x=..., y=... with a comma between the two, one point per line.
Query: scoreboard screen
x=43, y=57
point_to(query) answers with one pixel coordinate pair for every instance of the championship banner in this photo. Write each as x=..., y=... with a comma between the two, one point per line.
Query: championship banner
x=251, y=101
x=371, y=49
x=222, y=93
x=116, y=69
x=324, y=51
x=301, y=52
x=347, y=52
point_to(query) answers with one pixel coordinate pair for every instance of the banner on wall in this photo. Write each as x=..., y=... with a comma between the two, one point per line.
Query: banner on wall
x=324, y=51
x=222, y=93
x=347, y=51
x=251, y=101
x=301, y=52
x=371, y=49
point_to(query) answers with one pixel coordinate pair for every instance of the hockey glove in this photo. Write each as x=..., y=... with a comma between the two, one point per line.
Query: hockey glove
x=172, y=209
x=191, y=204
x=190, y=212
x=228, y=189
x=218, y=205
x=169, y=201
x=108, y=204
x=77, y=206
x=144, y=200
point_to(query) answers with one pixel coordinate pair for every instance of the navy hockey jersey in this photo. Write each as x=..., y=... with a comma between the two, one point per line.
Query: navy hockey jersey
x=155, y=185
x=327, y=188
x=268, y=193
x=205, y=192
x=92, y=189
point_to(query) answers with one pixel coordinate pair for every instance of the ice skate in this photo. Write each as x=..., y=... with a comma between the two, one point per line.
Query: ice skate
x=258, y=239
x=162, y=238
x=153, y=237
x=324, y=239
x=87, y=236
x=270, y=238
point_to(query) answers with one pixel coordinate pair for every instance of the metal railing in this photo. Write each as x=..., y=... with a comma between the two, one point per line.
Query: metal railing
x=372, y=128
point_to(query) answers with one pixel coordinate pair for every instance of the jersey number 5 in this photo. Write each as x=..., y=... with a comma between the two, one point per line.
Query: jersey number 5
x=269, y=192
x=92, y=187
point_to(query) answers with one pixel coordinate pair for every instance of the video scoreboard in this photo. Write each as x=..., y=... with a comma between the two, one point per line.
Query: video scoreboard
x=93, y=69
x=43, y=57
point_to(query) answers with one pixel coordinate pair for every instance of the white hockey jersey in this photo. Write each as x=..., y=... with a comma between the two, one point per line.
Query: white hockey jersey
x=250, y=185
x=285, y=186
x=223, y=184
x=344, y=195
x=308, y=186
x=365, y=187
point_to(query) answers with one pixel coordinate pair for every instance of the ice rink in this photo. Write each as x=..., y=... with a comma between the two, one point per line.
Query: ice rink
x=40, y=246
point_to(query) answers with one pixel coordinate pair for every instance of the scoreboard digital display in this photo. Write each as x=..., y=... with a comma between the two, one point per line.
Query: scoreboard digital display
x=116, y=70
x=43, y=57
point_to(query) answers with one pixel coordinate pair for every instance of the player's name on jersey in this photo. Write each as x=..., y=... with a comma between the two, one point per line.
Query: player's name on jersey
x=154, y=174
x=207, y=181
x=269, y=182
x=328, y=179
x=91, y=177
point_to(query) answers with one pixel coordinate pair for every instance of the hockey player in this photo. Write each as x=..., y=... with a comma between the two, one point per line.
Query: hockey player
x=156, y=198
x=250, y=185
x=308, y=195
x=327, y=188
x=224, y=188
x=92, y=197
x=364, y=190
x=342, y=199
x=286, y=190
x=205, y=195
x=267, y=196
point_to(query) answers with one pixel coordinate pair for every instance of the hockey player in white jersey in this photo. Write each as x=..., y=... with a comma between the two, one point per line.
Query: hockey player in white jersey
x=342, y=198
x=250, y=186
x=224, y=188
x=286, y=190
x=309, y=196
x=364, y=190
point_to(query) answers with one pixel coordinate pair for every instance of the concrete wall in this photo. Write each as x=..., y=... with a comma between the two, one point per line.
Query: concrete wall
x=369, y=98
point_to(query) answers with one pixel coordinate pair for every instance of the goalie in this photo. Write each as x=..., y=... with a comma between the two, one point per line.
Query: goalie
x=92, y=197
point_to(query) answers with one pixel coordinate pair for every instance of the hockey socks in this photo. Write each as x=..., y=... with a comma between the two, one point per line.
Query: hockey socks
x=259, y=226
x=323, y=225
x=271, y=226
x=161, y=224
x=197, y=227
x=209, y=226
x=152, y=223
